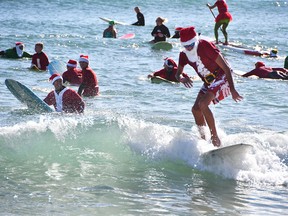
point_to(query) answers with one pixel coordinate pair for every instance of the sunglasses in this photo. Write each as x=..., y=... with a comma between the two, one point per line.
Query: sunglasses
x=190, y=45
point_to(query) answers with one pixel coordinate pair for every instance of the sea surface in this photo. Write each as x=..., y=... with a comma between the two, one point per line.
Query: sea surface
x=136, y=149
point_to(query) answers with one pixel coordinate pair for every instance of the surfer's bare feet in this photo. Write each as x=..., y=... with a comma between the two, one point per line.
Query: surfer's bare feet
x=226, y=43
x=216, y=141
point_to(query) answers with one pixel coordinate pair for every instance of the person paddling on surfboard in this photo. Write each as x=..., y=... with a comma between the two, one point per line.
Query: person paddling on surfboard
x=111, y=31
x=40, y=60
x=214, y=71
x=73, y=75
x=89, y=86
x=223, y=19
x=267, y=72
x=15, y=52
x=160, y=31
x=63, y=98
x=168, y=72
x=140, y=17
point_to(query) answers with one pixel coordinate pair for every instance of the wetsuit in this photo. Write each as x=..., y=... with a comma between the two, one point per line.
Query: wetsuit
x=141, y=20
x=160, y=29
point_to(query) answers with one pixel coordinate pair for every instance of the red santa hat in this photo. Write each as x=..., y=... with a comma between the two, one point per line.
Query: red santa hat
x=178, y=29
x=259, y=64
x=72, y=63
x=170, y=63
x=188, y=36
x=55, y=77
x=84, y=58
x=19, y=44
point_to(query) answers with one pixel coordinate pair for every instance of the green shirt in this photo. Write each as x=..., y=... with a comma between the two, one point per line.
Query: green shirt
x=11, y=53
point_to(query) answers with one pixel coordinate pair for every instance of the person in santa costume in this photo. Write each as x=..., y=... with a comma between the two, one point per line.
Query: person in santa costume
x=168, y=71
x=263, y=71
x=214, y=71
x=89, y=86
x=73, y=75
x=223, y=19
x=15, y=52
x=40, y=60
x=63, y=98
x=160, y=31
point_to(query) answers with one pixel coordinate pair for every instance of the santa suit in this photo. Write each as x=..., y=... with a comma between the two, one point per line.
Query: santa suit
x=204, y=63
x=268, y=72
x=168, y=75
x=73, y=76
x=40, y=60
x=90, y=82
x=223, y=11
x=66, y=101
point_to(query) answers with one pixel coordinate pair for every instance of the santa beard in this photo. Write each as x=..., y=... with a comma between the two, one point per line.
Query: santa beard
x=19, y=51
x=192, y=54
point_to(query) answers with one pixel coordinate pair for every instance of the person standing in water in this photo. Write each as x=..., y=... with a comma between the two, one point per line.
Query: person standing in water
x=160, y=31
x=223, y=19
x=111, y=31
x=214, y=71
x=140, y=17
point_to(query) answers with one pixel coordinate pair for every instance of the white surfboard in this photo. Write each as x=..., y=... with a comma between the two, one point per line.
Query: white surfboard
x=57, y=66
x=231, y=151
x=116, y=22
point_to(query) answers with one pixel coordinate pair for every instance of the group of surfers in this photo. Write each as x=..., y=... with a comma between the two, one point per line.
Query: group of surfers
x=205, y=58
x=63, y=98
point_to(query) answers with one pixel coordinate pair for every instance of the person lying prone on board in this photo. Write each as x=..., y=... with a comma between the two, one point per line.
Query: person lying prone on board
x=262, y=71
x=16, y=52
x=63, y=98
x=168, y=72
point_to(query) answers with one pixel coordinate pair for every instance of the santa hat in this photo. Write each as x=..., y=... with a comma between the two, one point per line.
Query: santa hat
x=84, y=58
x=259, y=64
x=17, y=44
x=170, y=63
x=178, y=29
x=72, y=63
x=55, y=77
x=188, y=36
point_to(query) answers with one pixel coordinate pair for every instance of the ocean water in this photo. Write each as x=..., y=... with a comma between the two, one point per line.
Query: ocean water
x=136, y=149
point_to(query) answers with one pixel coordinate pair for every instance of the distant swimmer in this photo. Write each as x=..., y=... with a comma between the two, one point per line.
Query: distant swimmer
x=262, y=71
x=168, y=71
x=40, y=60
x=73, y=75
x=177, y=32
x=215, y=73
x=63, y=98
x=223, y=19
x=160, y=31
x=89, y=86
x=111, y=31
x=140, y=17
x=16, y=52
x=286, y=63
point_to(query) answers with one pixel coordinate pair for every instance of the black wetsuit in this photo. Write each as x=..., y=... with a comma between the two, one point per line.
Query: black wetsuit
x=160, y=29
x=141, y=20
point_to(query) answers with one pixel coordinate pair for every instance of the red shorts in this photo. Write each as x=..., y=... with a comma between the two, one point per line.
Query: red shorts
x=220, y=88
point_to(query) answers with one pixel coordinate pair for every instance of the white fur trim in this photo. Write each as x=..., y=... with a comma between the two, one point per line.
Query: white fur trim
x=72, y=65
x=190, y=41
x=56, y=78
x=83, y=60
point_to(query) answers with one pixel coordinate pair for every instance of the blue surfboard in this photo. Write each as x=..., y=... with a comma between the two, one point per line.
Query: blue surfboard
x=26, y=96
x=57, y=66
